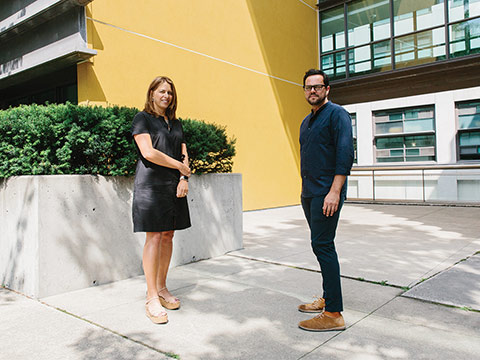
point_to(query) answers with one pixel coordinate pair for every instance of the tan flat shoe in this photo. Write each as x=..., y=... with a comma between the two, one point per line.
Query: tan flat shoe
x=169, y=305
x=157, y=314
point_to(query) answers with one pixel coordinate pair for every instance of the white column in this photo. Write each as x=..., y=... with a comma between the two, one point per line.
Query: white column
x=365, y=153
x=445, y=127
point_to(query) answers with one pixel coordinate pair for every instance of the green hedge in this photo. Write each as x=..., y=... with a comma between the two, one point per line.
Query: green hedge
x=209, y=149
x=71, y=139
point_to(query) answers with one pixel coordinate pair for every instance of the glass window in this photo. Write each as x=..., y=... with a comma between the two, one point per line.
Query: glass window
x=468, y=116
x=333, y=29
x=420, y=48
x=414, y=138
x=414, y=15
x=408, y=121
x=354, y=132
x=334, y=65
x=368, y=20
x=465, y=38
x=389, y=143
x=370, y=58
x=463, y=9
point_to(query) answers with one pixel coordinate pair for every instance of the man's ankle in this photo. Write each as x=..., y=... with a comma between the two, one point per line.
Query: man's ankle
x=335, y=314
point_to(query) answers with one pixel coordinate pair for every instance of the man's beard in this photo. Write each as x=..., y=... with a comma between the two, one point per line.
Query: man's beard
x=316, y=101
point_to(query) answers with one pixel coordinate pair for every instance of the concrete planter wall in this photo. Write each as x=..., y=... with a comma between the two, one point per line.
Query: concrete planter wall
x=66, y=232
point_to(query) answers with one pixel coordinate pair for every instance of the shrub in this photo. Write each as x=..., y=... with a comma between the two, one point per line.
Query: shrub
x=71, y=139
x=209, y=149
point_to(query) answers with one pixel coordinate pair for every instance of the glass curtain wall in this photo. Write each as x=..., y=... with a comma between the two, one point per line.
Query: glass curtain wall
x=333, y=41
x=369, y=36
x=368, y=26
x=419, y=28
x=464, y=31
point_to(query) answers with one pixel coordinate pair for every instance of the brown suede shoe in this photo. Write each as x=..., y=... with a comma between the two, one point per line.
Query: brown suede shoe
x=315, y=307
x=322, y=322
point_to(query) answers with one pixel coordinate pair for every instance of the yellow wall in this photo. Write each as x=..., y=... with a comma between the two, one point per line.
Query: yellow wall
x=245, y=41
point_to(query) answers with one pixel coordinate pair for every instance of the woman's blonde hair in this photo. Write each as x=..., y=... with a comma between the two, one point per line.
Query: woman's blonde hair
x=172, y=108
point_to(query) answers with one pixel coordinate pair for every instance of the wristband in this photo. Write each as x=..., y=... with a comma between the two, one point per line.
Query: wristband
x=183, y=177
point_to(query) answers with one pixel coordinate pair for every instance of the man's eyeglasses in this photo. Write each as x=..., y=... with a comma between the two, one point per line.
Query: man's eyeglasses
x=316, y=87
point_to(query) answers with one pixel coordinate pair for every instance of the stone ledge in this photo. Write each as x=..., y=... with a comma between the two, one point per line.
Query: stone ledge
x=61, y=233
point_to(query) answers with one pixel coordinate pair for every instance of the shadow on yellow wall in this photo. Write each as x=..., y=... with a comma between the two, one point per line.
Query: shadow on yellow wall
x=93, y=37
x=89, y=88
x=289, y=48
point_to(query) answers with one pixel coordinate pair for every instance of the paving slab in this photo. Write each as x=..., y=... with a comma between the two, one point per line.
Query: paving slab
x=224, y=308
x=379, y=338
x=32, y=330
x=220, y=319
x=124, y=292
x=304, y=285
x=403, y=244
x=243, y=305
x=218, y=267
x=422, y=313
x=397, y=244
x=458, y=286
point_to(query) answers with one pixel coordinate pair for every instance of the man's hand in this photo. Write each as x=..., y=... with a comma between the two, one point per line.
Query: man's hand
x=330, y=203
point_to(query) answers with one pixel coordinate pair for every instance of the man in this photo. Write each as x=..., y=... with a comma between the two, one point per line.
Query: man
x=326, y=152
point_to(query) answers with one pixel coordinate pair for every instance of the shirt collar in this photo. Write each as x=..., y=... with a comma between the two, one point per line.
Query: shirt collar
x=319, y=109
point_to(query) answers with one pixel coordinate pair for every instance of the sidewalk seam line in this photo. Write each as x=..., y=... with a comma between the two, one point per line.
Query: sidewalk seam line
x=168, y=354
x=404, y=289
x=317, y=271
x=422, y=280
x=464, y=308
x=348, y=327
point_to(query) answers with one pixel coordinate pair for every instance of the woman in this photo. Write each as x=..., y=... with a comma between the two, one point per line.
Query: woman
x=161, y=186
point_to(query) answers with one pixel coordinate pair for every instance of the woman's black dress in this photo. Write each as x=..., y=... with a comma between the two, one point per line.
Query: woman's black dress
x=155, y=204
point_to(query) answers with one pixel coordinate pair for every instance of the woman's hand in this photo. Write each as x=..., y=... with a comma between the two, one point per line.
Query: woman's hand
x=184, y=169
x=182, y=188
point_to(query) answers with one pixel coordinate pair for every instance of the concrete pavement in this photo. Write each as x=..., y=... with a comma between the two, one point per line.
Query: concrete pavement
x=399, y=265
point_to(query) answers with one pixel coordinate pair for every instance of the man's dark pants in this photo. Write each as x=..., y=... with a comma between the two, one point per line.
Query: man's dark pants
x=323, y=230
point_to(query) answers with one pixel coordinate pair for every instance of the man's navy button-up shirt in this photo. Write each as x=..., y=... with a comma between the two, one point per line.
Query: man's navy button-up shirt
x=326, y=148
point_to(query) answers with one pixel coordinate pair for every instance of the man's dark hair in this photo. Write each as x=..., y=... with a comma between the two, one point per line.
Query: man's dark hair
x=316, y=72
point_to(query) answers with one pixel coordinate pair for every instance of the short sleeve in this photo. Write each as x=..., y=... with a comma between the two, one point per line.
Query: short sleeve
x=183, y=134
x=140, y=124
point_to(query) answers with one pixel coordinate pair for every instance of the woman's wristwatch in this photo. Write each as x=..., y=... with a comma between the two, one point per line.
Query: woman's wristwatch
x=183, y=177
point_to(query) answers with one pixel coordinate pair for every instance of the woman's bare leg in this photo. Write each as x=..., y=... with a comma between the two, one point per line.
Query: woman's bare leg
x=165, y=255
x=151, y=262
x=150, y=266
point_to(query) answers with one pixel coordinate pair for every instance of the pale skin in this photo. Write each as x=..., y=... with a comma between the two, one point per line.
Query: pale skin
x=318, y=98
x=157, y=251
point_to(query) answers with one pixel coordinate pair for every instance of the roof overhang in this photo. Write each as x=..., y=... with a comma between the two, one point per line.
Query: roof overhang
x=37, y=13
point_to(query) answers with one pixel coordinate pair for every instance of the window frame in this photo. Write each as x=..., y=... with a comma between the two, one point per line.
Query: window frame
x=353, y=117
x=403, y=135
x=347, y=75
x=460, y=131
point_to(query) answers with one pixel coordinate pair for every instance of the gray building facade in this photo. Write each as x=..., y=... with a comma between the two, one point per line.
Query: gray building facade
x=408, y=71
x=41, y=44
